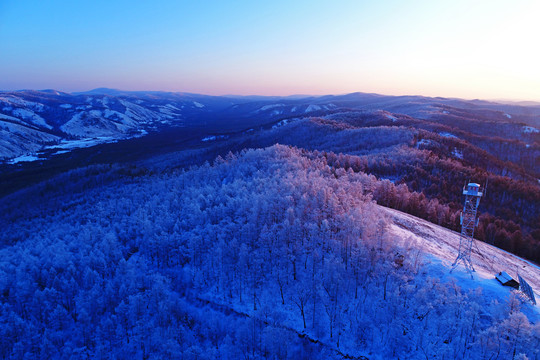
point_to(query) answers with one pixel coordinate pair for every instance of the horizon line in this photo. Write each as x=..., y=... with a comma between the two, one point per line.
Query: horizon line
x=496, y=100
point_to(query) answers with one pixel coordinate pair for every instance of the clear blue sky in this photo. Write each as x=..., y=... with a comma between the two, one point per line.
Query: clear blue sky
x=460, y=48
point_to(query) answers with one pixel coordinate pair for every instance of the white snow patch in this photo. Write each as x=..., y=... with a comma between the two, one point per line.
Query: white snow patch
x=530, y=130
x=26, y=132
x=198, y=104
x=95, y=113
x=66, y=106
x=457, y=153
x=12, y=100
x=7, y=117
x=82, y=143
x=508, y=115
x=391, y=117
x=23, y=158
x=293, y=109
x=213, y=137
x=18, y=139
x=281, y=123
x=109, y=113
x=61, y=152
x=140, y=113
x=169, y=110
x=312, y=108
x=448, y=135
x=423, y=142
x=268, y=107
x=445, y=112
x=33, y=117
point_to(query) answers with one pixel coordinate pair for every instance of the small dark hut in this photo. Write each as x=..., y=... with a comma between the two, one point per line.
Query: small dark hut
x=507, y=280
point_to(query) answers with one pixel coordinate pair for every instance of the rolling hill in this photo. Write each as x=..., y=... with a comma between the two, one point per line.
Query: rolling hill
x=121, y=259
x=37, y=124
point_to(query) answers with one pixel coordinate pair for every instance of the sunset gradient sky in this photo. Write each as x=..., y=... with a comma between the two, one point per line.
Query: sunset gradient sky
x=457, y=48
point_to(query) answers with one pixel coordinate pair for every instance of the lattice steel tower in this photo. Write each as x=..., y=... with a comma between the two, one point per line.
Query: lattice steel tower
x=468, y=223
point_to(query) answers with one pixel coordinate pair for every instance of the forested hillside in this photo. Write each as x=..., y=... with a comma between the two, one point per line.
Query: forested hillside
x=424, y=172
x=272, y=253
x=426, y=148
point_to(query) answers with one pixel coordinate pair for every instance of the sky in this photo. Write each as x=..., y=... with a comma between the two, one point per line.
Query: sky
x=484, y=49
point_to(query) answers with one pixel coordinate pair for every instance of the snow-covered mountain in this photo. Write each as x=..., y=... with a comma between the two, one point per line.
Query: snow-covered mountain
x=34, y=121
x=31, y=121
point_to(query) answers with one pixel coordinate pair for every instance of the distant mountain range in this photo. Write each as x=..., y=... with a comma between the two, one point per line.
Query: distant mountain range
x=35, y=125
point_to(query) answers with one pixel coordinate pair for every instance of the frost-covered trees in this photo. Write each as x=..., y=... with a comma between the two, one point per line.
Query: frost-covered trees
x=231, y=260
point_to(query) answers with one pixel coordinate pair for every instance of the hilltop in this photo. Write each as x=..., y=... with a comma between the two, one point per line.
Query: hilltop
x=121, y=260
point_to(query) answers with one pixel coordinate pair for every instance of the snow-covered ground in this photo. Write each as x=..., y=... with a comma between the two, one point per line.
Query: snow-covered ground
x=448, y=135
x=312, y=108
x=530, y=129
x=391, y=117
x=423, y=142
x=457, y=153
x=281, y=123
x=82, y=143
x=272, y=106
x=32, y=117
x=23, y=158
x=214, y=137
x=441, y=248
x=198, y=104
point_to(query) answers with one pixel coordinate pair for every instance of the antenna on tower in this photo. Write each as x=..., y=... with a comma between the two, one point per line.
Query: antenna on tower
x=472, y=194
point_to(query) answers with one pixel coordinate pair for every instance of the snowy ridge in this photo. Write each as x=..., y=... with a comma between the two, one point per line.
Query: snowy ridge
x=442, y=246
x=121, y=115
x=18, y=140
x=311, y=108
x=268, y=107
x=17, y=101
x=12, y=118
x=32, y=116
x=90, y=119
